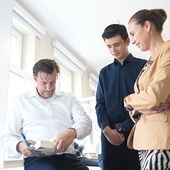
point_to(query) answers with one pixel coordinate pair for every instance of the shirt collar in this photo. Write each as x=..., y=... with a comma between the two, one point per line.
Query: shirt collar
x=129, y=58
x=34, y=93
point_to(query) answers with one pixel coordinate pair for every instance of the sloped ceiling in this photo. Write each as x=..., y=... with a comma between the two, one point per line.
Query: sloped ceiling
x=78, y=24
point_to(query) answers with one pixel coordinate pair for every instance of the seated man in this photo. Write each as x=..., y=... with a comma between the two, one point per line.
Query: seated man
x=43, y=114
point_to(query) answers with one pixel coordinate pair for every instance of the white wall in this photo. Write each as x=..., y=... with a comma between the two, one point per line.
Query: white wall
x=6, y=8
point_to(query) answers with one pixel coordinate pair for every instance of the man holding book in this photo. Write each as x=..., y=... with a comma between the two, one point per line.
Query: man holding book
x=48, y=115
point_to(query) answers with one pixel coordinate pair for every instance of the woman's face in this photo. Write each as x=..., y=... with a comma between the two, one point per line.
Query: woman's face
x=139, y=35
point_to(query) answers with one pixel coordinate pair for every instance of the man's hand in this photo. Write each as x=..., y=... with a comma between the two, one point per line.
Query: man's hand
x=24, y=149
x=113, y=136
x=64, y=140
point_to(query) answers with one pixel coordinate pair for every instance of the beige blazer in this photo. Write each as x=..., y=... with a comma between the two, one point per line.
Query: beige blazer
x=152, y=87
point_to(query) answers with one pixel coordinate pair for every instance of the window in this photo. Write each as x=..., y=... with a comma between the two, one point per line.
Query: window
x=64, y=82
x=16, y=48
x=93, y=84
x=19, y=79
x=25, y=30
x=92, y=144
x=16, y=78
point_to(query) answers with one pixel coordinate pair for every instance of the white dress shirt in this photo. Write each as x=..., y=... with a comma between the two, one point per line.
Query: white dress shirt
x=44, y=119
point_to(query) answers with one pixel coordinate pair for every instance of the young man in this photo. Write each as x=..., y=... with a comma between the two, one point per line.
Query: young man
x=116, y=81
x=44, y=114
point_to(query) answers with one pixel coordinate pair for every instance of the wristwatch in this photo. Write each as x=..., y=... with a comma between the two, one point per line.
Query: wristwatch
x=120, y=129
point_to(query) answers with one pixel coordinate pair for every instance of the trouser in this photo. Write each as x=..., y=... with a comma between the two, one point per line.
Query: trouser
x=100, y=161
x=54, y=162
x=119, y=157
x=154, y=159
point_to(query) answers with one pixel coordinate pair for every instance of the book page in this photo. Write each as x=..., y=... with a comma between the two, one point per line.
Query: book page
x=45, y=147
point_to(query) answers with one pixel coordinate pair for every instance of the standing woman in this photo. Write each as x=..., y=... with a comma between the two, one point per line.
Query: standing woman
x=151, y=134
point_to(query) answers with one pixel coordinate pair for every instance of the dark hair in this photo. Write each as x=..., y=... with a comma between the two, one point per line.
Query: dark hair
x=46, y=66
x=114, y=30
x=156, y=16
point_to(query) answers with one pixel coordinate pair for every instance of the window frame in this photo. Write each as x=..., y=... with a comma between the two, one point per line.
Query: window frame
x=19, y=37
x=61, y=78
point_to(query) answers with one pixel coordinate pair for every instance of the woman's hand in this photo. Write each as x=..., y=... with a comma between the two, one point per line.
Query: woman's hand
x=136, y=114
x=158, y=109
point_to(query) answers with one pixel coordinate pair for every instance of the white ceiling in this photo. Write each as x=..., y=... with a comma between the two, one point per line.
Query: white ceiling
x=78, y=24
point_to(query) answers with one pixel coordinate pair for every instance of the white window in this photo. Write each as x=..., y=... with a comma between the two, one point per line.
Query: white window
x=24, y=32
x=92, y=144
x=16, y=78
x=64, y=82
x=16, y=48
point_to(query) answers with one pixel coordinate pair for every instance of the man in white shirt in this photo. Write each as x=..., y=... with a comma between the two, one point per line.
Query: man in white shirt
x=44, y=114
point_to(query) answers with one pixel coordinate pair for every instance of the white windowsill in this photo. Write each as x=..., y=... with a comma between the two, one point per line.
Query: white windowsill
x=13, y=164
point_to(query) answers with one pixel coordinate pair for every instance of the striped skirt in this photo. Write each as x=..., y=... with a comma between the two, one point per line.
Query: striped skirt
x=155, y=159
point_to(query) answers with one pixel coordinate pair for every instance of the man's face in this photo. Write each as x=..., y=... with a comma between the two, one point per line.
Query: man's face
x=46, y=83
x=118, y=47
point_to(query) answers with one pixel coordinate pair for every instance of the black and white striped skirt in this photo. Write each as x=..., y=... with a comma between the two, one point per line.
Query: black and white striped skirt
x=155, y=159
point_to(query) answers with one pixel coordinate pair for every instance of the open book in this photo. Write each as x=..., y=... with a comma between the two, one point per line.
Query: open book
x=45, y=147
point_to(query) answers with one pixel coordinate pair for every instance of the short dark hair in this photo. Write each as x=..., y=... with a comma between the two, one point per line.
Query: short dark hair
x=46, y=66
x=156, y=16
x=114, y=30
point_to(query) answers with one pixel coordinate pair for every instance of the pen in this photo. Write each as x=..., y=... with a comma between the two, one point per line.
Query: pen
x=27, y=143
